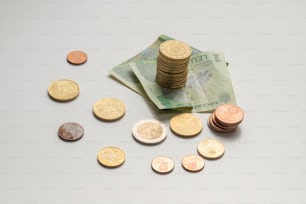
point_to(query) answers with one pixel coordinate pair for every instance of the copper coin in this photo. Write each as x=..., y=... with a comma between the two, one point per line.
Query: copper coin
x=77, y=57
x=193, y=163
x=229, y=114
x=216, y=127
x=162, y=165
x=216, y=123
x=70, y=131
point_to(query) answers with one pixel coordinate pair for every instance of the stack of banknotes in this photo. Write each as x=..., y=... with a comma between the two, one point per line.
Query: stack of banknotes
x=208, y=82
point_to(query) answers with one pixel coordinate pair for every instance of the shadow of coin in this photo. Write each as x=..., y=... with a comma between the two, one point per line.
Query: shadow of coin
x=148, y=144
x=234, y=135
x=109, y=167
x=61, y=101
x=106, y=120
x=67, y=140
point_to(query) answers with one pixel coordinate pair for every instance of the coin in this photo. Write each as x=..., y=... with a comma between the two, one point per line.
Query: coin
x=193, y=163
x=149, y=131
x=111, y=157
x=186, y=124
x=63, y=90
x=77, y=57
x=109, y=109
x=214, y=125
x=70, y=131
x=229, y=114
x=172, y=64
x=162, y=164
x=211, y=148
x=175, y=49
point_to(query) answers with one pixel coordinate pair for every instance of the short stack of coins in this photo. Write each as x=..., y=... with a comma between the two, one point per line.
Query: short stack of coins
x=172, y=64
x=225, y=118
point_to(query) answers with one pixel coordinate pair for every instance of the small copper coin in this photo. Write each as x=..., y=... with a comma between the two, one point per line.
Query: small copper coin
x=111, y=157
x=211, y=148
x=186, y=124
x=193, y=163
x=70, y=131
x=162, y=164
x=109, y=109
x=229, y=114
x=77, y=57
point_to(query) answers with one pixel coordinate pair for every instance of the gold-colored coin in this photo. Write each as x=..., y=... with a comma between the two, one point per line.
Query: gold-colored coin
x=211, y=148
x=111, y=157
x=174, y=49
x=63, y=90
x=109, y=109
x=172, y=64
x=193, y=163
x=186, y=124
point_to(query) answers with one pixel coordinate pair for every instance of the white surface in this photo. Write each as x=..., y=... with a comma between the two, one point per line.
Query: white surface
x=264, y=42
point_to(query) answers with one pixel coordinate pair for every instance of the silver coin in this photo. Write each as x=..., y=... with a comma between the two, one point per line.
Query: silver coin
x=149, y=131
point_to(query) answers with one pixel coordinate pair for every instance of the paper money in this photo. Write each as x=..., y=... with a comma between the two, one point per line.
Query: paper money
x=208, y=83
x=124, y=73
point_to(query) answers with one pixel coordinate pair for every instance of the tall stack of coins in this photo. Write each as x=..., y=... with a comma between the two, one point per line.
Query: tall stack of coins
x=172, y=64
x=225, y=118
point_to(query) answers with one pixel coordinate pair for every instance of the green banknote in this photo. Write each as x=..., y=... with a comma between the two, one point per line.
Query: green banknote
x=124, y=73
x=208, y=84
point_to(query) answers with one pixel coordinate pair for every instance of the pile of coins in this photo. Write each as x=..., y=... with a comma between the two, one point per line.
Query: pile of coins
x=172, y=64
x=225, y=118
x=172, y=57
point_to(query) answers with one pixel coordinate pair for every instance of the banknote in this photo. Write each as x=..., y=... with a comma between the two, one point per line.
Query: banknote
x=208, y=83
x=124, y=73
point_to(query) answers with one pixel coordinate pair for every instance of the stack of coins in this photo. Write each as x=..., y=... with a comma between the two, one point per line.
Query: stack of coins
x=172, y=64
x=225, y=118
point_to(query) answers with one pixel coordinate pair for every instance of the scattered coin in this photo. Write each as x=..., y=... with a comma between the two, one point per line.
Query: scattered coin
x=111, y=157
x=77, y=57
x=193, y=163
x=186, y=124
x=109, y=109
x=162, y=164
x=225, y=118
x=211, y=149
x=63, y=90
x=149, y=131
x=172, y=64
x=70, y=131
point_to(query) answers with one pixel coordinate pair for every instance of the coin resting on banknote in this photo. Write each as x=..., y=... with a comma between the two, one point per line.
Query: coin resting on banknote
x=172, y=64
x=208, y=82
